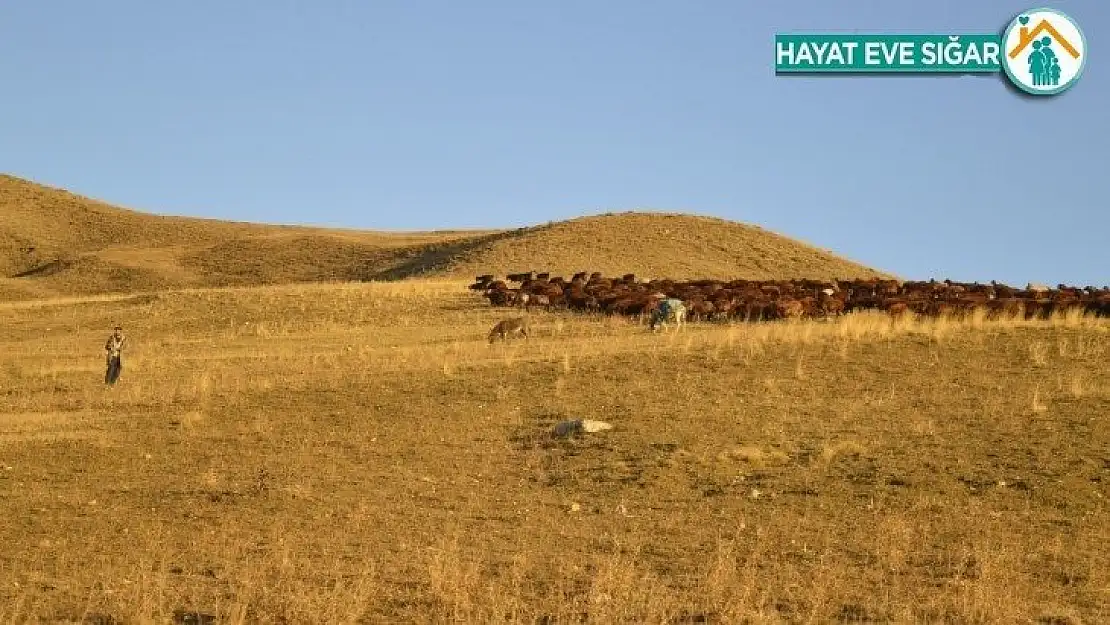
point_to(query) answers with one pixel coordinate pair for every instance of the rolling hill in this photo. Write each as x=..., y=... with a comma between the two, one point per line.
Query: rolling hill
x=53, y=242
x=655, y=245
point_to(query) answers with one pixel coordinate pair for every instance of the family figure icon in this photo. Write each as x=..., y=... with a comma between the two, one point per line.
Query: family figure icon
x=1043, y=64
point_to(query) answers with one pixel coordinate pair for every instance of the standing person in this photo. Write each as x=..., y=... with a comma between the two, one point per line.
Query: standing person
x=1037, y=62
x=114, y=352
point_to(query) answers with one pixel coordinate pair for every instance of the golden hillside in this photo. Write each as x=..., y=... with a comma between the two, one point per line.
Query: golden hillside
x=53, y=242
x=656, y=245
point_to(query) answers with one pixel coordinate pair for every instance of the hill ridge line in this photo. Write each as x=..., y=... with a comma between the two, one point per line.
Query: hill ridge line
x=54, y=242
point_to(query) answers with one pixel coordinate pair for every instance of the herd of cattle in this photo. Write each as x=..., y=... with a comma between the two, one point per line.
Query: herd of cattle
x=755, y=300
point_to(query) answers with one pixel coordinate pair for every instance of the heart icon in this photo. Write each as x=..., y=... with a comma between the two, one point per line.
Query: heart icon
x=1024, y=19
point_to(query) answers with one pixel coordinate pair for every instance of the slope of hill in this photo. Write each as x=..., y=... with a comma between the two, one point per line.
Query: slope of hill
x=656, y=245
x=53, y=242
x=38, y=224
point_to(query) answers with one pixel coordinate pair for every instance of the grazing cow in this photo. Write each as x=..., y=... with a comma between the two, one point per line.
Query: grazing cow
x=498, y=297
x=543, y=301
x=897, y=308
x=670, y=308
x=481, y=282
x=829, y=305
x=699, y=309
x=789, y=308
x=509, y=327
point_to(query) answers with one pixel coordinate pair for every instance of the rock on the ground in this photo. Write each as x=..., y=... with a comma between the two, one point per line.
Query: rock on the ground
x=575, y=426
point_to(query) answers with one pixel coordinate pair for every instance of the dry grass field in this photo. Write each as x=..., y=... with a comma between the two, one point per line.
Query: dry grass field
x=357, y=453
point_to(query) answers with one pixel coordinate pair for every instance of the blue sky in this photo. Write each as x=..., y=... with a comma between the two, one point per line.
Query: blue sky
x=420, y=114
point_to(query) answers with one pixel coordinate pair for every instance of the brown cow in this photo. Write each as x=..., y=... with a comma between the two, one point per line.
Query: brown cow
x=788, y=308
x=540, y=300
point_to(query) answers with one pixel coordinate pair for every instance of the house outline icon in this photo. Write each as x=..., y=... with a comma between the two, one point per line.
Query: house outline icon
x=1026, y=37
